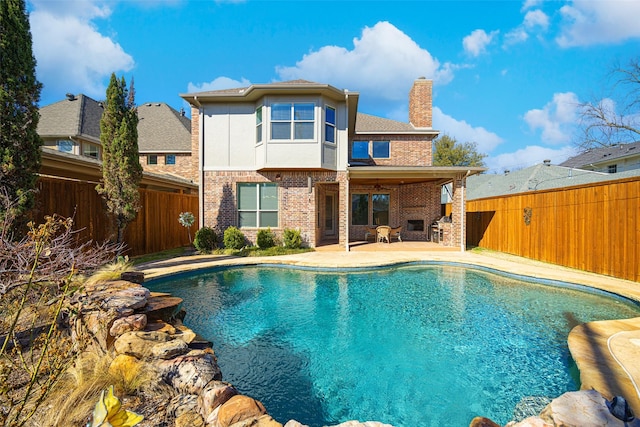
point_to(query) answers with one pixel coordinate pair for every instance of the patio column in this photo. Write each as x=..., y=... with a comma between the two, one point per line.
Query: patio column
x=458, y=219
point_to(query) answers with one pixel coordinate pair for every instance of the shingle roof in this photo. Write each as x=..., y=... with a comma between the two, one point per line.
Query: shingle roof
x=162, y=129
x=75, y=116
x=597, y=155
x=368, y=123
x=537, y=177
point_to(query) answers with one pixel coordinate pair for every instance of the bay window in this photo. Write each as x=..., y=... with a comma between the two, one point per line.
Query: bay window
x=330, y=124
x=291, y=121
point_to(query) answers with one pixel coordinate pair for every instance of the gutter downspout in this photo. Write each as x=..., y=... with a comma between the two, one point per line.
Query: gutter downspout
x=463, y=215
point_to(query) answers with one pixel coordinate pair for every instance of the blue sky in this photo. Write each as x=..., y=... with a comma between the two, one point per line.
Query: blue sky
x=508, y=75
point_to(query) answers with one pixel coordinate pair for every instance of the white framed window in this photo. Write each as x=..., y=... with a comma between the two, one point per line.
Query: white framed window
x=259, y=125
x=65, y=145
x=292, y=121
x=330, y=124
x=257, y=204
x=170, y=159
x=152, y=159
x=90, y=150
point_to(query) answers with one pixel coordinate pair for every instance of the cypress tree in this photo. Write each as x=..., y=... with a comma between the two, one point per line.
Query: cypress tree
x=121, y=169
x=20, y=154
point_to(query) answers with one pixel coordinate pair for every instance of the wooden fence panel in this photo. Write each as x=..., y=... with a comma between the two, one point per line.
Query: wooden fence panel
x=590, y=227
x=156, y=227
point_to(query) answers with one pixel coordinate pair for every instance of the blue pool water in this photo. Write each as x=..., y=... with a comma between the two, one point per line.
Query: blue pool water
x=416, y=345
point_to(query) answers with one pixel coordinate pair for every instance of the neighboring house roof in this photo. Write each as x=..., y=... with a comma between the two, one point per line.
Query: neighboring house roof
x=537, y=177
x=76, y=116
x=162, y=129
x=602, y=155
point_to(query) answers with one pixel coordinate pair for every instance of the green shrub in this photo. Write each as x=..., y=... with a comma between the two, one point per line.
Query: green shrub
x=233, y=238
x=266, y=238
x=292, y=239
x=206, y=239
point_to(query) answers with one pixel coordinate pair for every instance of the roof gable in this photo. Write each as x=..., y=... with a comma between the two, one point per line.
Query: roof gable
x=75, y=116
x=162, y=129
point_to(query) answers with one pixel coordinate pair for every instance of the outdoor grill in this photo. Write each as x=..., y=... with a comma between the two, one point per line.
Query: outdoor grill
x=437, y=227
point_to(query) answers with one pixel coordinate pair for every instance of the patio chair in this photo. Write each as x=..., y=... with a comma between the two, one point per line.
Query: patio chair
x=395, y=234
x=384, y=233
x=370, y=233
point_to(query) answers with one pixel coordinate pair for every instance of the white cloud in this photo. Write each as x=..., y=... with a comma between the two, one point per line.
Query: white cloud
x=528, y=4
x=528, y=156
x=463, y=132
x=534, y=21
x=384, y=61
x=476, y=43
x=589, y=22
x=556, y=119
x=515, y=36
x=218, y=83
x=536, y=18
x=71, y=54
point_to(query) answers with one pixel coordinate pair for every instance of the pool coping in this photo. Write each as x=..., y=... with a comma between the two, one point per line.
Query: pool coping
x=605, y=364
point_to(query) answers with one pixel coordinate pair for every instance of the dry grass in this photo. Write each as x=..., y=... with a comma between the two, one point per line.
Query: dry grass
x=111, y=271
x=72, y=400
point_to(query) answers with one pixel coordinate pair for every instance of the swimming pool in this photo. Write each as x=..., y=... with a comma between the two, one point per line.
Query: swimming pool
x=427, y=345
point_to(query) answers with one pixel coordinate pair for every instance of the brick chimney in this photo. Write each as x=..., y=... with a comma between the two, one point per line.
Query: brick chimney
x=420, y=112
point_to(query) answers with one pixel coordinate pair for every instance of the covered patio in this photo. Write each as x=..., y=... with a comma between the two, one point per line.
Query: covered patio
x=407, y=197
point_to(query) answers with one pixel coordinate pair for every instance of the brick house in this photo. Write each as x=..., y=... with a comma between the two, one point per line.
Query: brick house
x=298, y=154
x=72, y=126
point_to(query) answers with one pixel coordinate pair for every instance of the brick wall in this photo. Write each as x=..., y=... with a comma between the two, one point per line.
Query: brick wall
x=420, y=103
x=296, y=204
x=404, y=150
x=183, y=166
x=195, y=144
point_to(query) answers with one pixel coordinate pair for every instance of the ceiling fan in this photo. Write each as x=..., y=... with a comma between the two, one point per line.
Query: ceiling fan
x=378, y=187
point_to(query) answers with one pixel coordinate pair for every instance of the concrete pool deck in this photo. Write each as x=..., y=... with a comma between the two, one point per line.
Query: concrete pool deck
x=607, y=353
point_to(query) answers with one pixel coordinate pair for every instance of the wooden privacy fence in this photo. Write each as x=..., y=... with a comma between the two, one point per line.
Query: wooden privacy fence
x=591, y=227
x=155, y=228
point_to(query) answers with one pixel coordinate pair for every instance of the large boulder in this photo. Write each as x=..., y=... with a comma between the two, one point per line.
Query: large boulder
x=213, y=395
x=135, y=322
x=139, y=343
x=237, y=409
x=190, y=373
x=582, y=408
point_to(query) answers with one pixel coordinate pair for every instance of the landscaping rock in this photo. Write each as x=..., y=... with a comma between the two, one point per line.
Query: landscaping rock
x=189, y=419
x=294, y=423
x=530, y=422
x=160, y=326
x=139, y=343
x=135, y=322
x=582, y=408
x=238, y=408
x=125, y=367
x=213, y=395
x=183, y=333
x=191, y=372
x=182, y=404
x=169, y=349
x=482, y=422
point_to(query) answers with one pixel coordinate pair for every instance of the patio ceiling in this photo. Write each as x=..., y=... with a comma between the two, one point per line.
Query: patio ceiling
x=398, y=175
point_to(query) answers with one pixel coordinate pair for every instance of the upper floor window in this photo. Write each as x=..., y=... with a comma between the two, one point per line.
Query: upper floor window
x=377, y=149
x=612, y=168
x=259, y=125
x=380, y=149
x=330, y=124
x=360, y=150
x=170, y=159
x=65, y=145
x=291, y=121
x=152, y=159
x=90, y=150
